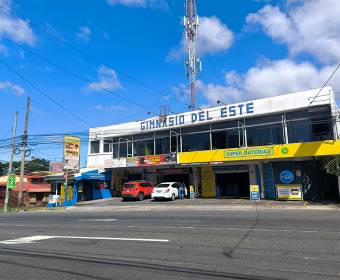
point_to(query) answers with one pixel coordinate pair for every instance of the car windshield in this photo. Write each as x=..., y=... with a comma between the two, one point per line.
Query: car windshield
x=163, y=185
x=129, y=186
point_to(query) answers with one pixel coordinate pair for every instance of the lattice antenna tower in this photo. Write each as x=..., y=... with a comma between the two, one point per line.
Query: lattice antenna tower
x=193, y=65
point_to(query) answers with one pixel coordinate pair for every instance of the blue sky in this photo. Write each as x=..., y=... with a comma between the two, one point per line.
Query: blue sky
x=250, y=49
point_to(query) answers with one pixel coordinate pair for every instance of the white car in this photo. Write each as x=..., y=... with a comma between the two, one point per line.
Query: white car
x=166, y=190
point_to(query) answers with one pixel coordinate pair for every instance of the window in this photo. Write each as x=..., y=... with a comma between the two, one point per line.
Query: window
x=226, y=135
x=264, y=135
x=108, y=146
x=143, y=147
x=321, y=129
x=298, y=126
x=298, y=131
x=225, y=139
x=94, y=147
x=123, y=149
x=321, y=123
x=115, y=150
x=196, y=142
x=162, y=142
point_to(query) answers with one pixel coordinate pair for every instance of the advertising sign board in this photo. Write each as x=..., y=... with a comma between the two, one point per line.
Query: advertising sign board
x=115, y=163
x=286, y=177
x=71, y=152
x=152, y=160
x=57, y=167
x=254, y=192
x=289, y=192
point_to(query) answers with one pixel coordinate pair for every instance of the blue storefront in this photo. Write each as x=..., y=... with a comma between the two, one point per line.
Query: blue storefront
x=90, y=185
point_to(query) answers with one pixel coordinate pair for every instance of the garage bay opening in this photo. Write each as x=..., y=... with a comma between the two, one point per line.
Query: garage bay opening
x=233, y=183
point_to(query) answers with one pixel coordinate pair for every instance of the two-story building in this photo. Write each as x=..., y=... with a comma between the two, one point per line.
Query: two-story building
x=272, y=142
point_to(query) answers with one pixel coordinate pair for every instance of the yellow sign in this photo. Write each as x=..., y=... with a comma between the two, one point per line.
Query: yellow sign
x=308, y=149
x=62, y=194
x=69, y=193
x=71, y=152
x=208, y=182
x=254, y=188
x=289, y=192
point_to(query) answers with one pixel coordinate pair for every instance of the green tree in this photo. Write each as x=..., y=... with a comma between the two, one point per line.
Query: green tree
x=37, y=164
x=34, y=165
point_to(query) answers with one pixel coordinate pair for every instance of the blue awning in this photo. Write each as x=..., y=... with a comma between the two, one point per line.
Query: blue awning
x=95, y=176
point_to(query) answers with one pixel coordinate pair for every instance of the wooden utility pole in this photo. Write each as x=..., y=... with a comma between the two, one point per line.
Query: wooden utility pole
x=10, y=165
x=23, y=154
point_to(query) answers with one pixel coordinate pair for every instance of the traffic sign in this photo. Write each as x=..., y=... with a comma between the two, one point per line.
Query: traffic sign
x=11, y=181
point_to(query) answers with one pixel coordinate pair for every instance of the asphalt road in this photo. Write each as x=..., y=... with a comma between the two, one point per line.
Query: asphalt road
x=165, y=243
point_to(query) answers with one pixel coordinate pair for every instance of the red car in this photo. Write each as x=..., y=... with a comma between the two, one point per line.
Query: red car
x=137, y=190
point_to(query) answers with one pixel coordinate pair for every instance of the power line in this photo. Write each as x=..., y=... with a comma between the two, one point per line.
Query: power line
x=330, y=77
x=43, y=93
x=57, y=38
x=72, y=73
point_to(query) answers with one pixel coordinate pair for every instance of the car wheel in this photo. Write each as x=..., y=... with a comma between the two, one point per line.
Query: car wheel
x=140, y=196
x=173, y=197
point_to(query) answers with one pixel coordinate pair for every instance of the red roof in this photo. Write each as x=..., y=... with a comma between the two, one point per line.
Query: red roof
x=34, y=187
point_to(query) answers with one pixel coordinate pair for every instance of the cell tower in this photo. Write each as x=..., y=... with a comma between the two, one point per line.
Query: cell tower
x=193, y=64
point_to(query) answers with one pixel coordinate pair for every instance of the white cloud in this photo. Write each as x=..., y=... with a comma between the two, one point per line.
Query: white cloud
x=140, y=3
x=268, y=79
x=13, y=27
x=306, y=27
x=108, y=80
x=213, y=37
x=100, y=107
x=84, y=34
x=14, y=88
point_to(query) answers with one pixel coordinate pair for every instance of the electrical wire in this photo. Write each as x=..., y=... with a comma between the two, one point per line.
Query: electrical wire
x=43, y=92
x=330, y=77
x=99, y=61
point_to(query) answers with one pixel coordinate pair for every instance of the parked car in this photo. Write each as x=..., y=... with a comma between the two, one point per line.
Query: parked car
x=137, y=190
x=166, y=190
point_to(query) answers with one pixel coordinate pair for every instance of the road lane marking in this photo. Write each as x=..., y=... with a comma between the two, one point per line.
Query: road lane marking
x=97, y=220
x=154, y=220
x=168, y=221
x=36, y=238
x=228, y=228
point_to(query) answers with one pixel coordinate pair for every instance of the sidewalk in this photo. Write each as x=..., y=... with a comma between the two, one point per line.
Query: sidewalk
x=207, y=204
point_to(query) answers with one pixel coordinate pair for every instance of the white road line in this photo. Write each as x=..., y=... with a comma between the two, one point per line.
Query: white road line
x=168, y=221
x=113, y=220
x=35, y=238
x=229, y=228
x=97, y=220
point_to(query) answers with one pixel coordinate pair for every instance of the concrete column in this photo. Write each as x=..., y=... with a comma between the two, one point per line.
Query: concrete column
x=101, y=146
x=339, y=186
x=252, y=175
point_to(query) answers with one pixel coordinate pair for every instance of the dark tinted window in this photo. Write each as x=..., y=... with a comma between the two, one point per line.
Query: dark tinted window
x=196, y=142
x=94, y=147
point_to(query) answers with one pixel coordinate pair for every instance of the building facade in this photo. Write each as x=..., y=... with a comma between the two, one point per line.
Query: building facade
x=280, y=144
x=35, y=190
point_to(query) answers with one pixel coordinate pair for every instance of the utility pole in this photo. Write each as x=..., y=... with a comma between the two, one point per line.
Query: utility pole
x=193, y=64
x=10, y=166
x=23, y=154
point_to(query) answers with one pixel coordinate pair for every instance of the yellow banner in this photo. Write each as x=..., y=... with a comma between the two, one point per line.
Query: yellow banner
x=308, y=149
x=208, y=182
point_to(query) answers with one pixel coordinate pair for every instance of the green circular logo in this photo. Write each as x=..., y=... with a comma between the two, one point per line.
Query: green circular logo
x=284, y=150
